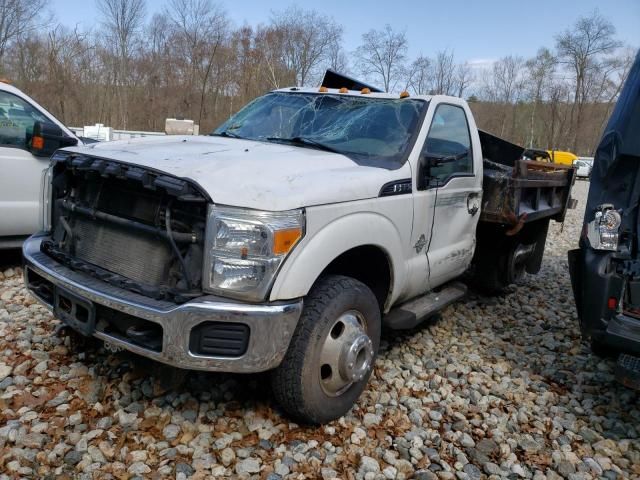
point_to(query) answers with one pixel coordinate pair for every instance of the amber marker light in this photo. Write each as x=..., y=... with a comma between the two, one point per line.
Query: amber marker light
x=37, y=143
x=323, y=89
x=284, y=240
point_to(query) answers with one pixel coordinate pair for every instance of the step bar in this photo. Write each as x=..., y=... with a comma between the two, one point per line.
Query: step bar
x=415, y=311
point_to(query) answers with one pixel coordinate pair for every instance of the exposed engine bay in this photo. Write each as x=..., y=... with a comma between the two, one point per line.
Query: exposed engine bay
x=134, y=228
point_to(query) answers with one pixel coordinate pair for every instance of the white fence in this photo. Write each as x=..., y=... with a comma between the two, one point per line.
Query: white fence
x=102, y=133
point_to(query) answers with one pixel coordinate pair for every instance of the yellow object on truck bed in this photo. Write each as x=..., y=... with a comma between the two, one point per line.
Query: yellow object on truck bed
x=566, y=158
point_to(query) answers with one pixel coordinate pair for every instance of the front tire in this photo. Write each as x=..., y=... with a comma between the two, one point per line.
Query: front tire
x=332, y=351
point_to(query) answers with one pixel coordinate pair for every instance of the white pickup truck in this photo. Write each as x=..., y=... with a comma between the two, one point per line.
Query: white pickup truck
x=288, y=238
x=28, y=136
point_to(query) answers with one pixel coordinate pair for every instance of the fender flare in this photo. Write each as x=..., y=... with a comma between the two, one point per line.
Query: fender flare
x=312, y=256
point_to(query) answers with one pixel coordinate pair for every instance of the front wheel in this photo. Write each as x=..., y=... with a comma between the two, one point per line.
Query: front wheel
x=332, y=351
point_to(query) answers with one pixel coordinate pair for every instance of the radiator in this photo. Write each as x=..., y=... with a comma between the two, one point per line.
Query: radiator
x=136, y=255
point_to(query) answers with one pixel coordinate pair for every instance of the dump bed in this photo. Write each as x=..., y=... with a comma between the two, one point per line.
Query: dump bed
x=517, y=190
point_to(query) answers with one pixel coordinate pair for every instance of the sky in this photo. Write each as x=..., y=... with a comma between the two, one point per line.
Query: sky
x=476, y=31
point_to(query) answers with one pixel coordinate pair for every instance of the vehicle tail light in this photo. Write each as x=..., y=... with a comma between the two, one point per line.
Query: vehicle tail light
x=603, y=230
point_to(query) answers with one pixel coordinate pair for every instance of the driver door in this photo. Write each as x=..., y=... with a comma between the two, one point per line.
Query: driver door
x=20, y=171
x=451, y=200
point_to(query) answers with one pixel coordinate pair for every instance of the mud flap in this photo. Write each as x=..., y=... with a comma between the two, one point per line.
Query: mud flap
x=576, y=262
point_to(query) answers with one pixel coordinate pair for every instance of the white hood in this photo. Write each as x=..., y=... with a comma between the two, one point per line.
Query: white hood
x=245, y=173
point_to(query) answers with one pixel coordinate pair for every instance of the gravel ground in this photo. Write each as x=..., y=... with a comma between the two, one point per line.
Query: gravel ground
x=498, y=387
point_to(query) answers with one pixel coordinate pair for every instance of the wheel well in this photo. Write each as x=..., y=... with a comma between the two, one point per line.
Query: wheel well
x=368, y=264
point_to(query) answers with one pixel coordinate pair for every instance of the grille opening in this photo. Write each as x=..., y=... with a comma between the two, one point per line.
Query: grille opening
x=133, y=228
x=129, y=328
x=40, y=287
x=219, y=339
x=66, y=305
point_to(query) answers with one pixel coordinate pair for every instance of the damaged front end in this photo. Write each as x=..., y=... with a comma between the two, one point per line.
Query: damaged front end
x=133, y=228
x=121, y=259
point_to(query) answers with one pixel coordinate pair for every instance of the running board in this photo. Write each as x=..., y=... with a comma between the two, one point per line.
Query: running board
x=413, y=312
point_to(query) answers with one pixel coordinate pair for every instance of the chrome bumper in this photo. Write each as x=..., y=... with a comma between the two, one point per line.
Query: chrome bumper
x=270, y=325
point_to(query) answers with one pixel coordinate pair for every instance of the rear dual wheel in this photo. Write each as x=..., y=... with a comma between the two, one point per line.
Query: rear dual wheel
x=332, y=351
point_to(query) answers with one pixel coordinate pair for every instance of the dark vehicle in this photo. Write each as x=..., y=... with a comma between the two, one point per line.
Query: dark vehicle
x=605, y=270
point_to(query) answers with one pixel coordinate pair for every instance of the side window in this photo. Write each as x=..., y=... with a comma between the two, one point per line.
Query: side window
x=17, y=118
x=449, y=137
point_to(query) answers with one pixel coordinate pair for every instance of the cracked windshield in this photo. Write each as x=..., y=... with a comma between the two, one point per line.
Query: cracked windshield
x=359, y=127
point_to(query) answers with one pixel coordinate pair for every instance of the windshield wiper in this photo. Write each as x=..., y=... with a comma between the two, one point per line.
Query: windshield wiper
x=226, y=133
x=304, y=142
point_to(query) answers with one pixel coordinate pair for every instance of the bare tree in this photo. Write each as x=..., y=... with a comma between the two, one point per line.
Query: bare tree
x=122, y=21
x=17, y=18
x=420, y=77
x=272, y=42
x=337, y=57
x=504, y=85
x=506, y=80
x=200, y=28
x=539, y=76
x=383, y=54
x=463, y=78
x=444, y=74
x=308, y=39
x=580, y=49
x=440, y=76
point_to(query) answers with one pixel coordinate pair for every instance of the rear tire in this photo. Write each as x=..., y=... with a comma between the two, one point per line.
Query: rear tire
x=332, y=351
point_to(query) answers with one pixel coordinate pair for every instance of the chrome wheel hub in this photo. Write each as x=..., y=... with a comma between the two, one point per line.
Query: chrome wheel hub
x=346, y=355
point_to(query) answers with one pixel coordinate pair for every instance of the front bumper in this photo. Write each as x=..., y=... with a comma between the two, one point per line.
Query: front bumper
x=623, y=334
x=270, y=326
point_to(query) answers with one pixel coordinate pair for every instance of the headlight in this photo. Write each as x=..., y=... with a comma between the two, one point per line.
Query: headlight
x=245, y=248
x=603, y=230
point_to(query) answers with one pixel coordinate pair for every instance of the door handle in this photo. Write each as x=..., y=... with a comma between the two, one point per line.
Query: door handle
x=473, y=203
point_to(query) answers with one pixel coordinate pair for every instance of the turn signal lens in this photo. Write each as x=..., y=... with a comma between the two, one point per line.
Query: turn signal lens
x=37, y=143
x=284, y=240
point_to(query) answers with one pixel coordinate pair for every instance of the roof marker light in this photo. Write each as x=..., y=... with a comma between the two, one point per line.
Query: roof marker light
x=365, y=91
x=323, y=89
x=343, y=90
x=404, y=94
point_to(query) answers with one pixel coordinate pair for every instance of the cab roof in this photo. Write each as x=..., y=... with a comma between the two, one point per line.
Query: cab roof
x=355, y=93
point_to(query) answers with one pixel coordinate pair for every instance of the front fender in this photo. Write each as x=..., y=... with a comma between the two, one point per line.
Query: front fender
x=325, y=244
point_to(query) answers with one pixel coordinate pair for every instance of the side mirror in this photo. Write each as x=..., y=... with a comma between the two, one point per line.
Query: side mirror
x=431, y=160
x=47, y=138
